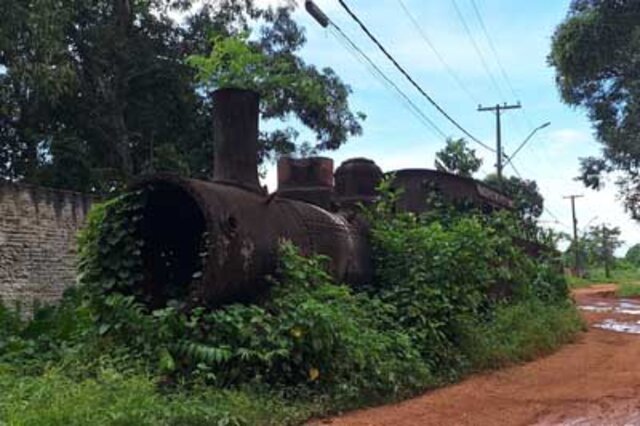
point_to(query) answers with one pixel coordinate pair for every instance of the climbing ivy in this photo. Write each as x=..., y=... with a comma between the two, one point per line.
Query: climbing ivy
x=110, y=245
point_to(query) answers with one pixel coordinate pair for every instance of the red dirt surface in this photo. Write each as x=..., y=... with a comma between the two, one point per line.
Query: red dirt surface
x=594, y=381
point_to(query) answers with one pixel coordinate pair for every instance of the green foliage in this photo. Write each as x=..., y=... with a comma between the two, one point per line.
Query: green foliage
x=96, y=92
x=525, y=194
x=113, y=398
x=520, y=332
x=456, y=157
x=310, y=332
x=436, y=310
x=595, y=54
x=109, y=245
x=623, y=274
x=629, y=289
x=53, y=334
x=633, y=255
x=596, y=248
x=431, y=275
x=440, y=268
x=232, y=64
x=286, y=85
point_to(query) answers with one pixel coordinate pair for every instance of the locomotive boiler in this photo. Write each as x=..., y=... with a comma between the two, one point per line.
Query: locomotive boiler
x=217, y=241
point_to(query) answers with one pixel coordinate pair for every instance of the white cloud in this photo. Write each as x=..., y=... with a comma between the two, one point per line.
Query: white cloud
x=569, y=136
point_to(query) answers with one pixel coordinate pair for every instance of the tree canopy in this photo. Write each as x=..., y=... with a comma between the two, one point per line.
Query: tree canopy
x=599, y=245
x=596, y=55
x=96, y=92
x=528, y=201
x=456, y=157
x=633, y=255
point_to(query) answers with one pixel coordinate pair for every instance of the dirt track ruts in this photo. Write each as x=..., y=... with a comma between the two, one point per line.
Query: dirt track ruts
x=594, y=381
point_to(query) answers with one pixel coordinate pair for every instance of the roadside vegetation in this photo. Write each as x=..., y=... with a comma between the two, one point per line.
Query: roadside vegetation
x=621, y=274
x=452, y=295
x=622, y=271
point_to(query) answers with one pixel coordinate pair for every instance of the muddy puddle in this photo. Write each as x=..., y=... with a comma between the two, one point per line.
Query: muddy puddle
x=619, y=326
x=625, y=415
x=617, y=308
x=620, y=306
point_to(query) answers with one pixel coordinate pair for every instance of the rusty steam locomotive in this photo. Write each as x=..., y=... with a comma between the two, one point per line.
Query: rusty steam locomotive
x=226, y=231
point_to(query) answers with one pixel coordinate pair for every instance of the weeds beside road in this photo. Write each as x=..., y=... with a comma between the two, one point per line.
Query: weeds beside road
x=452, y=295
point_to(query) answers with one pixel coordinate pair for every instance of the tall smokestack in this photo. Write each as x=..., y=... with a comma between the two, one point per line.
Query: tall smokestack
x=235, y=132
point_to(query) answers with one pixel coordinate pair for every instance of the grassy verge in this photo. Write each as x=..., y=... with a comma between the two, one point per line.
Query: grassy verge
x=629, y=289
x=111, y=398
x=627, y=279
x=522, y=332
x=597, y=276
x=451, y=295
x=63, y=394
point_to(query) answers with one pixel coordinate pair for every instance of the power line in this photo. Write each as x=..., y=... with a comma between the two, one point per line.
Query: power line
x=433, y=48
x=477, y=48
x=409, y=78
x=502, y=69
x=498, y=109
x=545, y=208
x=382, y=77
x=493, y=49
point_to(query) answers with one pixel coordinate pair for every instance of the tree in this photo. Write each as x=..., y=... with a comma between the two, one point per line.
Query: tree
x=528, y=202
x=599, y=245
x=96, y=92
x=456, y=157
x=287, y=85
x=633, y=255
x=596, y=55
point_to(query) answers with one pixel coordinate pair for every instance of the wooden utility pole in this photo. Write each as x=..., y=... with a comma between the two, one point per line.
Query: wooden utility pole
x=575, y=231
x=498, y=109
x=605, y=251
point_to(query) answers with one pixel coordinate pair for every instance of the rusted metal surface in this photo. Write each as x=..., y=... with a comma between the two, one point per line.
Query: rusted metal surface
x=235, y=132
x=305, y=172
x=306, y=179
x=217, y=242
x=241, y=231
x=356, y=181
x=416, y=184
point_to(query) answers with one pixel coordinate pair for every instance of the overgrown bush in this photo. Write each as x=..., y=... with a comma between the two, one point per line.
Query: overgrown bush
x=452, y=293
x=448, y=265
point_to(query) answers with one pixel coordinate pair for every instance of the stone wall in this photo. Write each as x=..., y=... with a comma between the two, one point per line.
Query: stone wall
x=38, y=228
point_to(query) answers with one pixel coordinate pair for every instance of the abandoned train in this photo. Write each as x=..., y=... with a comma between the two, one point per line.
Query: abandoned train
x=235, y=225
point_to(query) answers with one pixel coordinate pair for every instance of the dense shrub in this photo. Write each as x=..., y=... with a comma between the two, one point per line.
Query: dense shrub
x=452, y=293
x=444, y=267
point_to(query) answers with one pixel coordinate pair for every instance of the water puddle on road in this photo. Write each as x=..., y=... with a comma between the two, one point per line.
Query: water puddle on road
x=619, y=326
x=623, y=419
x=592, y=308
x=627, y=307
x=622, y=306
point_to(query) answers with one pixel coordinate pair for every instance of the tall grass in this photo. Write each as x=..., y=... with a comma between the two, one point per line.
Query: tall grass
x=53, y=398
x=66, y=395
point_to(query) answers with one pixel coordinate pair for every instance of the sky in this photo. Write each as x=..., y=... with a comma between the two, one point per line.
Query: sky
x=521, y=34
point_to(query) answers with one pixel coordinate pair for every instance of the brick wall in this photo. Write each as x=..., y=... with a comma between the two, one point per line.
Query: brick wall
x=38, y=228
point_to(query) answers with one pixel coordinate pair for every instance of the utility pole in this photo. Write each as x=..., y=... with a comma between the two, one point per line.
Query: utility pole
x=498, y=109
x=605, y=251
x=575, y=231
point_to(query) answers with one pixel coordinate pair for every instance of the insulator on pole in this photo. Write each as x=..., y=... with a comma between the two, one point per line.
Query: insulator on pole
x=317, y=13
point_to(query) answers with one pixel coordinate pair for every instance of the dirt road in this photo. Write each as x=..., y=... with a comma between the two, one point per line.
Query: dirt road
x=595, y=381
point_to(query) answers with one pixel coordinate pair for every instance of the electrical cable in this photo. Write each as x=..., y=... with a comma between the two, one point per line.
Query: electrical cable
x=382, y=77
x=494, y=50
x=477, y=49
x=409, y=78
x=545, y=208
x=440, y=57
x=501, y=67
